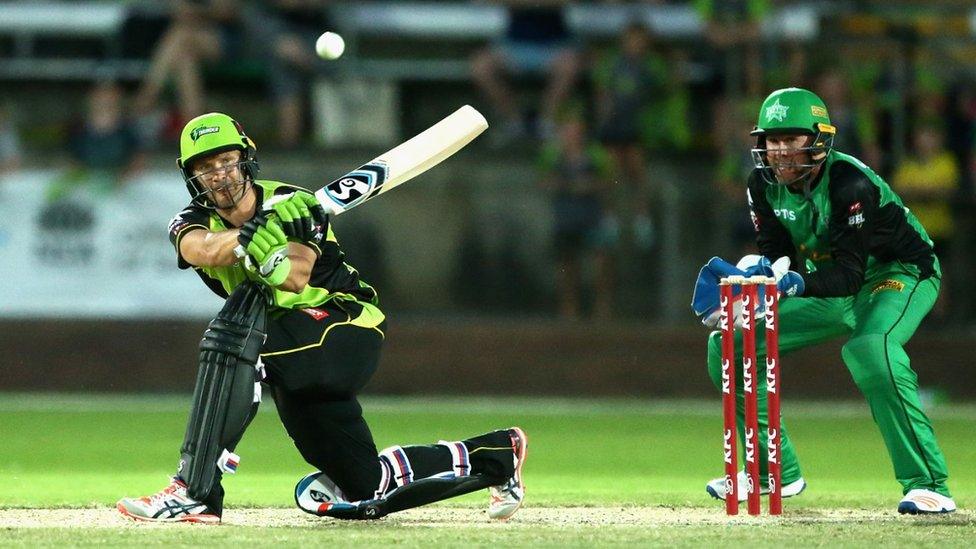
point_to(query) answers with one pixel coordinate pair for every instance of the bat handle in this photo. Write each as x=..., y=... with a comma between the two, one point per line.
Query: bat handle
x=240, y=252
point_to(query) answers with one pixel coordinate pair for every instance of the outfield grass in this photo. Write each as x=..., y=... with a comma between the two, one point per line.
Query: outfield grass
x=80, y=451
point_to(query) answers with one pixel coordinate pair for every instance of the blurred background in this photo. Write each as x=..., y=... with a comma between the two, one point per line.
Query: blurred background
x=554, y=255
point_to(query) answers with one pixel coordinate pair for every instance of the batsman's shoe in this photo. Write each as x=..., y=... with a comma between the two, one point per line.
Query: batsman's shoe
x=172, y=504
x=920, y=501
x=716, y=487
x=506, y=498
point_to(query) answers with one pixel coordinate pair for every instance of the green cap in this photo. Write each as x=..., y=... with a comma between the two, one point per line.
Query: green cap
x=211, y=133
x=793, y=109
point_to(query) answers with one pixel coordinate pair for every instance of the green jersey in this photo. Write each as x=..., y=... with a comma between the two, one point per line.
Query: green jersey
x=331, y=278
x=850, y=226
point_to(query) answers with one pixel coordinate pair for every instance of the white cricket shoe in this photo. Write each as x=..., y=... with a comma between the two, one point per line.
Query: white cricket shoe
x=716, y=487
x=921, y=501
x=506, y=498
x=171, y=504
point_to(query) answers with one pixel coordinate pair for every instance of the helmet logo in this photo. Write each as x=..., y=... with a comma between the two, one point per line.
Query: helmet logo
x=776, y=111
x=200, y=131
x=817, y=110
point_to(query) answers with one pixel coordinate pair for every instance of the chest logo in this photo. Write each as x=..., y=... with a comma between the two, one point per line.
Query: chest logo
x=785, y=214
x=776, y=111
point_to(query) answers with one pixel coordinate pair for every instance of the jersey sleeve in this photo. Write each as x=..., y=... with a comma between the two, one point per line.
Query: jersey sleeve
x=772, y=238
x=190, y=219
x=854, y=203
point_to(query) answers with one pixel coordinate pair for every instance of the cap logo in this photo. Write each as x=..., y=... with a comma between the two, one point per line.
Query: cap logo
x=776, y=112
x=201, y=131
x=817, y=110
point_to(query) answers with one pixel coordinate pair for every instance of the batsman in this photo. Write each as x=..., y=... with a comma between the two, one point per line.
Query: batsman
x=299, y=320
x=863, y=267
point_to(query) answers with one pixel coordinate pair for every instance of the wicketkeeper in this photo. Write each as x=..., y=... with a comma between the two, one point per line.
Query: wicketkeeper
x=300, y=320
x=864, y=268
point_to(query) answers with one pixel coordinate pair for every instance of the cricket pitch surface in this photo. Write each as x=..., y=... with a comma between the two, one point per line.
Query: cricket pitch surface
x=105, y=517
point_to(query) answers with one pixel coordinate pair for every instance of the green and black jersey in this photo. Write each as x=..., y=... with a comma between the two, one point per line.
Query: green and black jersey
x=851, y=225
x=331, y=278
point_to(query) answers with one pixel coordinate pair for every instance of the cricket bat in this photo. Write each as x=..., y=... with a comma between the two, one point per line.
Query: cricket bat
x=400, y=164
x=404, y=162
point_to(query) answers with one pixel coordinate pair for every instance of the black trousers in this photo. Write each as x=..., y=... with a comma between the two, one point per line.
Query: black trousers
x=317, y=362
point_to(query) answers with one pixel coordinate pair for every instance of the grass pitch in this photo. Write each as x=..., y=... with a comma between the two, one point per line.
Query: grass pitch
x=598, y=473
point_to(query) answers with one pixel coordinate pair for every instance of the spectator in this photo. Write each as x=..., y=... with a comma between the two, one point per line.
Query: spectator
x=734, y=143
x=537, y=41
x=104, y=148
x=864, y=75
x=732, y=28
x=928, y=180
x=10, y=154
x=627, y=81
x=577, y=172
x=833, y=87
x=201, y=31
x=293, y=26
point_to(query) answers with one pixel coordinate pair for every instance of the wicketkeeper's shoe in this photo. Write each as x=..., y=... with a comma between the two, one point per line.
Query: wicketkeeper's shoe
x=716, y=487
x=506, y=498
x=171, y=504
x=920, y=501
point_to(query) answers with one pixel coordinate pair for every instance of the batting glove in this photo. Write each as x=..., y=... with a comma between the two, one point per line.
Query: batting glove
x=266, y=250
x=302, y=217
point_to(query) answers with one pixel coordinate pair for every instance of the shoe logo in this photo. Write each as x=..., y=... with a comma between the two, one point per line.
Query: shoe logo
x=172, y=509
x=318, y=496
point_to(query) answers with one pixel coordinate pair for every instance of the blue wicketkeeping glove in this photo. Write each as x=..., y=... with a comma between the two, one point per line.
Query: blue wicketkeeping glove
x=791, y=284
x=705, y=301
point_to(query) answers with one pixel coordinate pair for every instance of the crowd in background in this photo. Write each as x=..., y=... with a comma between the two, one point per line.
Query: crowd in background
x=596, y=115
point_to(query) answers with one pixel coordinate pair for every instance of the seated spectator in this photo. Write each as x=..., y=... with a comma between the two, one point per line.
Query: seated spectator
x=732, y=30
x=292, y=27
x=537, y=41
x=629, y=82
x=927, y=180
x=851, y=138
x=104, y=148
x=577, y=172
x=201, y=31
x=736, y=234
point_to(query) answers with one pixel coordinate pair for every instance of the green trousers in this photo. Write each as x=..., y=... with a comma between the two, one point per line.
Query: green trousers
x=879, y=320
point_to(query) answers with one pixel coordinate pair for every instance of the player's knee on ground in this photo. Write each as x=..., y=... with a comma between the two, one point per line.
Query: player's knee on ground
x=876, y=362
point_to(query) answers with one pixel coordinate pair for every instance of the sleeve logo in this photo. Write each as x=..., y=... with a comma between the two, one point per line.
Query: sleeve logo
x=855, y=215
x=177, y=223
